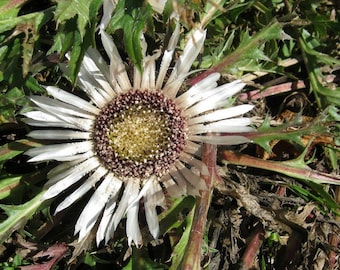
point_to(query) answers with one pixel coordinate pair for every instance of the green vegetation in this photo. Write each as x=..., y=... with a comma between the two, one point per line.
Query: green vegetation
x=281, y=188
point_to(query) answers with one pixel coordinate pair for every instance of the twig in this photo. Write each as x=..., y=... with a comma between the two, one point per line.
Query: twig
x=334, y=238
x=192, y=256
x=253, y=247
x=284, y=167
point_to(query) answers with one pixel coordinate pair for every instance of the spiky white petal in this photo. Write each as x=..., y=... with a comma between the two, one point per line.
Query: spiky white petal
x=44, y=119
x=179, y=179
x=171, y=187
x=153, y=197
x=97, y=77
x=91, y=90
x=41, y=116
x=132, y=224
x=71, y=99
x=83, y=189
x=95, y=205
x=117, y=68
x=57, y=107
x=220, y=114
x=35, y=123
x=58, y=151
x=220, y=140
x=60, y=171
x=110, y=206
x=194, y=179
x=239, y=124
x=184, y=63
x=198, y=91
x=220, y=128
x=167, y=57
x=137, y=78
x=99, y=61
x=128, y=200
x=211, y=101
x=192, y=148
x=148, y=78
x=194, y=162
x=70, y=177
x=59, y=134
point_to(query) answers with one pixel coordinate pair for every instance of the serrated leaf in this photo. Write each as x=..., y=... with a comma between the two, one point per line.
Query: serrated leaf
x=179, y=250
x=211, y=10
x=94, y=7
x=7, y=184
x=17, y=50
x=132, y=36
x=319, y=195
x=33, y=85
x=73, y=37
x=310, y=45
x=64, y=39
x=12, y=96
x=9, y=103
x=18, y=215
x=12, y=149
x=31, y=30
x=67, y=10
x=13, y=99
x=313, y=58
x=76, y=56
x=69, y=40
x=9, y=8
x=266, y=134
x=326, y=198
x=256, y=52
x=140, y=260
x=250, y=48
x=9, y=66
x=116, y=21
x=10, y=23
x=168, y=219
x=132, y=20
x=3, y=51
x=90, y=259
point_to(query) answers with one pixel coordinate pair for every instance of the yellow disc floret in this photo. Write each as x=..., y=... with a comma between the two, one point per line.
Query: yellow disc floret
x=139, y=134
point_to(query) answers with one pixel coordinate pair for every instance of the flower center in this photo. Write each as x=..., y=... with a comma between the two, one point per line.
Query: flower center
x=139, y=134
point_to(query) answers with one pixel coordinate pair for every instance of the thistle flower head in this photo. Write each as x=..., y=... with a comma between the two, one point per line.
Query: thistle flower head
x=134, y=139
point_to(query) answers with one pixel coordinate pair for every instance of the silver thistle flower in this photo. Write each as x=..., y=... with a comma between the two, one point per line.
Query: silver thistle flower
x=136, y=139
